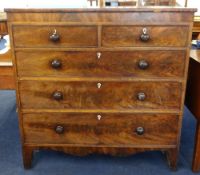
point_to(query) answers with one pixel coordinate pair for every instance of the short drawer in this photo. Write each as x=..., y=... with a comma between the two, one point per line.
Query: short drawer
x=141, y=36
x=144, y=63
x=100, y=95
x=55, y=36
x=110, y=129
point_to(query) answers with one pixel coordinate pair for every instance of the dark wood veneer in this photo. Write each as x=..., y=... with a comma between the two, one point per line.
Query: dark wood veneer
x=111, y=129
x=110, y=64
x=77, y=74
x=111, y=95
x=70, y=36
x=129, y=36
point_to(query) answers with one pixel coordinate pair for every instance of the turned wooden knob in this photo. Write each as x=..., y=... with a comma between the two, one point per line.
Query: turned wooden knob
x=144, y=36
x=141, y=96
x=56, y=64
x=140, y=130
x=55, y=36
x=57, y=95
x=59, y=129
x=143, y=64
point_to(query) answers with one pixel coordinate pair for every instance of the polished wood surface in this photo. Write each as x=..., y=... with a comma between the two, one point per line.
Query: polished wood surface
x=91, y=16
x=111, y=95
x=161, y=64
x=110, y=129
x=142, y=8
x=122, y=70
x=193, y=102
x=129, y=36
x=70, y=36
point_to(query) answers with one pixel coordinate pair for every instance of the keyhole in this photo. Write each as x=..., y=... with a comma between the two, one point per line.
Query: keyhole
x=99, y=117
x=99, y=85
x=144, y=30
x=54, y=31
x=98, y=55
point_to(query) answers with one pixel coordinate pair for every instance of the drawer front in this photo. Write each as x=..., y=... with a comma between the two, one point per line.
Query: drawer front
x=130, y=36
x=55, y=36
x=101, y=64
x=110, y=129
x=100, y=95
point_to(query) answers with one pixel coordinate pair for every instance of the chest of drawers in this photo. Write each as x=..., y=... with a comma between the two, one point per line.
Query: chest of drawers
x=104, y=80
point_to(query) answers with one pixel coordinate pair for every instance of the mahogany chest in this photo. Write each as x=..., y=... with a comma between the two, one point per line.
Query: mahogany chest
x=100, y=80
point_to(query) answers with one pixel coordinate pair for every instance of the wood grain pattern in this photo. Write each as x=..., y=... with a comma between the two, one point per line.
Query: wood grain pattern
x=100, y=15
x=111, y=64
x=115, y=33
x=111, y=95
x=112, y=129
x=129, y=36
x=70, y=36
x=86, y=150
x=78, y=11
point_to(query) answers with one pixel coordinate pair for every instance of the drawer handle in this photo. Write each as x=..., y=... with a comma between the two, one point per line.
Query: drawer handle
x=140, y=130
x=99, y=117
x=99, y=55
x=99, y=85
x=57, y=95
x=144, y=37
x=141, y=96
x=59, y=129
x=55, y=36
x=143, y=64
x=56, y=64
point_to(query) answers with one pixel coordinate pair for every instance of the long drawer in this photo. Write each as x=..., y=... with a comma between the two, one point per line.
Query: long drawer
x=55, y=36
x=100, y=95
x=130, y=36
x=144, y=63
x=101, y=129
